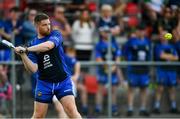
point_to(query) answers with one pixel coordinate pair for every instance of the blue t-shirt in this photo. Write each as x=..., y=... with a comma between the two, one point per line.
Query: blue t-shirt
x=9, y=28
x=137, y=50
x=166, y=48
x=177, y=46
x=101, y=51
x=70, y=62
x=51, y=64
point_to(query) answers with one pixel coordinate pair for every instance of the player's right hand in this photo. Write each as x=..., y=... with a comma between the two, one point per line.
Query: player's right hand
x=20, y=50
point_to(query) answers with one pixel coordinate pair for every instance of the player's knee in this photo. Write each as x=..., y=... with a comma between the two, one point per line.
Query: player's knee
x=72, y=112
x=38, y=115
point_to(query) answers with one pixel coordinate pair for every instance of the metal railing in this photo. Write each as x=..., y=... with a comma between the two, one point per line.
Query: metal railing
x=86, y=63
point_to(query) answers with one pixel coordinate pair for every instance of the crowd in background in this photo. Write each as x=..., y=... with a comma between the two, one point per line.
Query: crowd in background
x=141, y=25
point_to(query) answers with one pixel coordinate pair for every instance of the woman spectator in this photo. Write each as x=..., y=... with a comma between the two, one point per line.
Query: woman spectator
x=82, y=34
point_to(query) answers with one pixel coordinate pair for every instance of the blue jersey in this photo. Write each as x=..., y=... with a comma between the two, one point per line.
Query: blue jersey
x=71, y=62
x=165, y=48
x=51, y=64
x=101, y=50
x=177, y=46
x=138, y=50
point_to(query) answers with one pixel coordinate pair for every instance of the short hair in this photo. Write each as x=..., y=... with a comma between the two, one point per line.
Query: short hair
x=14, y=9
x=106, y=7
x=39, y=17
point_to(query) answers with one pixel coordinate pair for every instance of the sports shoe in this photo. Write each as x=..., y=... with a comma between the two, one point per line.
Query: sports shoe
x=174, y=111
x=129, y=113
x=144, y=113
x=156, y=111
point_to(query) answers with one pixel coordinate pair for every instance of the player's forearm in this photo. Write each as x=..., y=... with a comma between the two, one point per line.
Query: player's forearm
x=77, y=72
x=43, y=47
x=170, y=57
x=173, y=58
x=28, y=64
x=5, y=35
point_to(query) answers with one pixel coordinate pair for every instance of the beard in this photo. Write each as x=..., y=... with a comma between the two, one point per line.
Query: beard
x=45, y=33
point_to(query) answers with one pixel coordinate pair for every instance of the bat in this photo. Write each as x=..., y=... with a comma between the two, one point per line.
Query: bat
x=8, y=44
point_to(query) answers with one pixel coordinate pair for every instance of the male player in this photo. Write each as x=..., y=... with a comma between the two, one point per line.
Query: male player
x=47, y=56
x=138, y=49
x=101, y=55
x=166, y=75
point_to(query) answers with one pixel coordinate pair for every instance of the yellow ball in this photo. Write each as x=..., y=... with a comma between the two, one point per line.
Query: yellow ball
x=168, y=36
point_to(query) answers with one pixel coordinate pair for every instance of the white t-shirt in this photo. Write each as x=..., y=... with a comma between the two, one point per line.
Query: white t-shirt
x=83, y=36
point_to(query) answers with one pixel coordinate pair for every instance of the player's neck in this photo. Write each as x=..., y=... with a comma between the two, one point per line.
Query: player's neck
x=40, y=36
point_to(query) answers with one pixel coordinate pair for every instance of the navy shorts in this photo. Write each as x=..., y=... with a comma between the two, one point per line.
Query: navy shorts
x=138, y=80
x=46, y=90
x=166, y=78
x=103, y=79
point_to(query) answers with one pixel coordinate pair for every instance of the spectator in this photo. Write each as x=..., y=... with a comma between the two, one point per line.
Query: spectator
x=5, y=54
x=108, y=22
x=166, y=22
x=5, y=89
x=102, y=72
x=59, y=22
x=13, y=25
x=28, y=28
x=138, y=49
x=82, y=34
x=166, y=75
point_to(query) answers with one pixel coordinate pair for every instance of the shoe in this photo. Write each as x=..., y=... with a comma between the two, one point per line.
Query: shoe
x=144, y=113
x=98, y=111
x=156, y=111
x=85, y=111
x=116, y=113
x=174, y=111
x=115, y=110
x=129, y=113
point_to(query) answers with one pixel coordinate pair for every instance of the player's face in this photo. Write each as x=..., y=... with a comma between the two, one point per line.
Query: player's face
x=107, y=13
x=44, y=27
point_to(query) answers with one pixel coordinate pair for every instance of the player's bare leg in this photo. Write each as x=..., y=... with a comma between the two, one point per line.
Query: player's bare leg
x=130, y=101
x=143, y=94
x=130, y=97
x=114, y=94
x=143, y=108
x=158, y=96
x=99, y=98
x=83, y=95
x=59, y=108
x=68, y=103
x=114, y=100
x=172, y=96
x=40, y=110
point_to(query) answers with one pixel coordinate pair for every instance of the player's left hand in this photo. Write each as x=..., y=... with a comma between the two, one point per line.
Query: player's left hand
x=20, y=50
